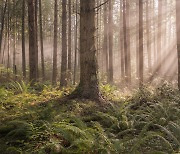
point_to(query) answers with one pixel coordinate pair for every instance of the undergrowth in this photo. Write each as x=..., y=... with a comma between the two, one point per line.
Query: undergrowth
x=34, y=120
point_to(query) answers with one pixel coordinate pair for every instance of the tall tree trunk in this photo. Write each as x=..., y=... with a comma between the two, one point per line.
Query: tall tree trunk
x=69, y=42
x=36, y=36
x=137, y=38
x=110, y=26
x=105, y=42
x=88, y=86
x=63, y=80
x=121, y=43
x=41, y=41
x=54, y=77
x=75, y=44
x=2, y=24
x=23, y=41
x=126, y=41
x=14, y=40
x=148, y=38
x=178, y=37
x=159, y=44
x=141, y=52
x=32, y=42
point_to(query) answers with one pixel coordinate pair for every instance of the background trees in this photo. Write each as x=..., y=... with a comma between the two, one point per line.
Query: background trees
x=135, y=40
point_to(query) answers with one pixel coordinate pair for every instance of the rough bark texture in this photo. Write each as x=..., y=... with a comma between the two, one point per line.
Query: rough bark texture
x=32, y=42
x=88, y=86
x=63, y=80
x=2, y=24
x=54, y=77
x=178, y=37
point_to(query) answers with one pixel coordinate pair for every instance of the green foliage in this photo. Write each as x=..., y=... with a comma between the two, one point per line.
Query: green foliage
x=34, y=120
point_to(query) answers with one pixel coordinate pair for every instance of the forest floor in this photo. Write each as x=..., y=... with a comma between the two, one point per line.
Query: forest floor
x=34, y=120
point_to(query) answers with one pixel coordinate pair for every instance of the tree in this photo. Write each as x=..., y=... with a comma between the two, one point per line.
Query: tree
x=63, y=80
x=23, y=41
x=126, y=41
x=41, y=41
x=110, y=30
x=141, y=58
x=54, y=77
x=32, y=42
x=105, y=41
x=178, y=37
x=69, y=41
x=2, y=23
x=88, y=87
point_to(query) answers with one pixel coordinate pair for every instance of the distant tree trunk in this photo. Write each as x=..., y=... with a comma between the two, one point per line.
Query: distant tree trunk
x=75, y=44
x=121, y=43
x=63, y=80
x=2, y=23
x=126, y=41
x=41, y=41
x=148, y=38
x=69, y=43
x=36, y=36
x=159, y=44
x=54, y=77
x=141, y=53
x=23, y=41
x=110, y=26
x=178, y=37
x=137, y=38
x=32, y=42
x=88, y=87
x=105, y=42
x=14, y=40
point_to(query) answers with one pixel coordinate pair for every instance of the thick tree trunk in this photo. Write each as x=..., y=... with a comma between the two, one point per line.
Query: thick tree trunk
x=178, y=37
x=63, y=80
x=2, y=24
x=88, y=87
x=54, y=77
x=32, y=42
x=41, y=41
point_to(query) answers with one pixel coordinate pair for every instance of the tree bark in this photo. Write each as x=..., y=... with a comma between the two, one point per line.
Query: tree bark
x=23, y=41
x=32, y=42
x=41, y=41
x=88, y=87
x=63, y=80
x=178, y=37
x=141, y=53
x=110, y=26
x=54, y=77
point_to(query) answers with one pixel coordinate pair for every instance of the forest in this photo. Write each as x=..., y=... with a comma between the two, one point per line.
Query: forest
x=89, y=76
